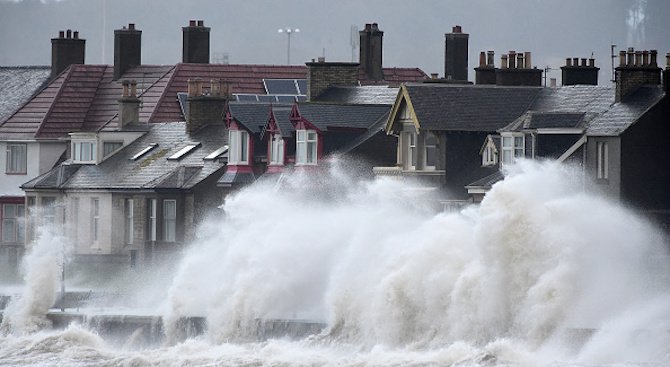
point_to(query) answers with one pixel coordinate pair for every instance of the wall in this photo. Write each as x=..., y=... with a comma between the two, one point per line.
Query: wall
x=9, y=184
x=462, y=160
x=612, y=186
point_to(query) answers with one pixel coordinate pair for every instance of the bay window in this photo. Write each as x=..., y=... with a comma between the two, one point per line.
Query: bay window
x=512, y=148
x=13, y=223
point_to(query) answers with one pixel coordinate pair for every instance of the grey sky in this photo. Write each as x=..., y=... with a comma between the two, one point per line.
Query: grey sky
x=413, y=30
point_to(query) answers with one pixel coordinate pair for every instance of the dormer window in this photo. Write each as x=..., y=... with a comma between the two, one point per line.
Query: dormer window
x=513, y=148
x=277, y=150
x=84, y=151
x=238, y=151
x=489, y=156
x=306, y=147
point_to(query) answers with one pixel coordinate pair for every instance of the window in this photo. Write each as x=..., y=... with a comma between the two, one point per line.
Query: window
x=183, y=151
x=110, y=147
x=152, y=219
x=169, y=220
x=95, y=219
x=277, y=150
x=48, y=210
x=75, y=218
x=13, y=223
x=84, y=152
x=602, y=160
x=128, y=210
x=408, y=140
x=512, y=147
x=144, y=151
x=431, y=151
x=217, y=153
x=490, y=156
x=238, y=152
x=306, y=147
x=16, y=159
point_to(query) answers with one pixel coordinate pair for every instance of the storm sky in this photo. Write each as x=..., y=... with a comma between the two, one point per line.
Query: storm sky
x=413, y=30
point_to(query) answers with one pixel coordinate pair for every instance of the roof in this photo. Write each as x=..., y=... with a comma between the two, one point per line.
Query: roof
x=18, y=84
x=466, y=107
x=547, y=120
x=487, y=181
x=152, y=170
x=623, y=114
x=395, y=76
x=369, y=94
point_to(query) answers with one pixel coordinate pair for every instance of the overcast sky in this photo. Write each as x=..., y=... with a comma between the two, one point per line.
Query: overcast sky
x=413, y=30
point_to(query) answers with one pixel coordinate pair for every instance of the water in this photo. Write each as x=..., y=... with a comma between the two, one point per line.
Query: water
x=541, y=274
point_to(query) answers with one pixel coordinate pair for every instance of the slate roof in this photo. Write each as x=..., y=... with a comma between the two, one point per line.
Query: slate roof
x=393, y=77
x=18, y=84
x=151, y=171
x=487, y=181
x=547, y=120
x=469, y=107
x=369, y=94
x=621, y=115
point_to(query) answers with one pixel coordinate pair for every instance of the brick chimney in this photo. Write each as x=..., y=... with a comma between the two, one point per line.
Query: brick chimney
x=321, y=75
x=129, y=104
x=66, y=50
x=485, y=73
x=574, y=73
x=636, y=68
x=127, y=49
x=371, y=52
x=205, y=106
x=196, y=43
x=456, y=55
x=516, y=69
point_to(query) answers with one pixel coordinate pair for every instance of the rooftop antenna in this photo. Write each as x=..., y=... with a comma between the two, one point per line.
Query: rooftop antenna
x=547, y=69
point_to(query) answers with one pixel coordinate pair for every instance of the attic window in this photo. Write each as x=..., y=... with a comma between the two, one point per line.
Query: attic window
x=215, y=154
x=143, y=151
x=183, y=151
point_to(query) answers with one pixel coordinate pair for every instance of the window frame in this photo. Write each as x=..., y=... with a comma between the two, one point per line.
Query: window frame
x=515, y=151
x=48, y=210
x=118, y=145
x=128, y=209
x=11, y=166
x=238, y=147
x=95, y=220
x=306, y=147
x=602, y=160
x=16, y=221
x=78, y=152
x=153, y=219
x=276, y=150
x=170, y=221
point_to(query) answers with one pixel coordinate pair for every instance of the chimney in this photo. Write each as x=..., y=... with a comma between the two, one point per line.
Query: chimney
x=127, y=49
x=552, y=82
x=66, y=50
x=456, y=55
x=666, y=74
x=196, y=43
x=205, y=103
x=321, y=75
x=486, y=72
x=634, y=71
x=129, y=104
x=584, y=74
x=371, y=52
x=515, y=70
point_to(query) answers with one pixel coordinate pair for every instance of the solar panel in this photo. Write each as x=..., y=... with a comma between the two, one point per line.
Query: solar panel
x=301, y=98
x=280, y=86
x=302, y=86
x=247, y=98
x=286, y=99
x=266, y=98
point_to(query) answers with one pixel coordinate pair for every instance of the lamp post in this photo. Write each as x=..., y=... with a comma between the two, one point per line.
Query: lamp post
x=288, y=32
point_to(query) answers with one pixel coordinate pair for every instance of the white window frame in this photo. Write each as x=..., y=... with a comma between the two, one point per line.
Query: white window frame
x=408, y=143
x=276, y=150
x=511, y=150
x=17, y=159
x=428, y=147
x=238, y=151
x=95, y=220
x=490, y=156
x=84, y=151
x=48, y=210
x=602, y=160
x=170, y=220
x=13, y=224
x=129, y=217
x=106, y=152
x=306, y=147
x=153, y=224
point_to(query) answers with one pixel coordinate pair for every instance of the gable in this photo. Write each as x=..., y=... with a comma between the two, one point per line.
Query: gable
x=401, y=113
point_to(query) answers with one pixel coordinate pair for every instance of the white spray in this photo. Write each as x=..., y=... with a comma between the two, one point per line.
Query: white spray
x=636, y=24
x=42, y=268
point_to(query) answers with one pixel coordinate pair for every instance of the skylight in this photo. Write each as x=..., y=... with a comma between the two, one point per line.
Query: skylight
x=215, y=154
x=143, y=152
x=183, y=151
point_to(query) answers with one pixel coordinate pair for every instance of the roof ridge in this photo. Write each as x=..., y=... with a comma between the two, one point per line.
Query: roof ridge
x=97, y=90
x=171, y=79
x=68, y=74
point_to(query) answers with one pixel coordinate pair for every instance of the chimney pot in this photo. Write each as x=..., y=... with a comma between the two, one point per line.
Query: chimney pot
x=519, y=61
x=511, y=61
x=433, y=75
x=503, y=62
x=652, y=58
x=61, y=34
x=133, y=88
x=68, y=33
x=527, y=63
x=126, y=92
x=645, y=58
x=575, y=61
x=584, y=64
x=638, y=58
x=195, y=87
x=321, y=59
x=489, y=58
x=375, y=26
x=457, y=29
x=201, y=23
x=630, y=57
x=592, y=62
x=622, y=58
x=191, y=23
x=215, y=87
x=75, y=34
x=368, y=26
x=568, y=61
x=482, y=59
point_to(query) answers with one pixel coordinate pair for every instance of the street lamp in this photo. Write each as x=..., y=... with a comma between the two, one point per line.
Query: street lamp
x=288, y=32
